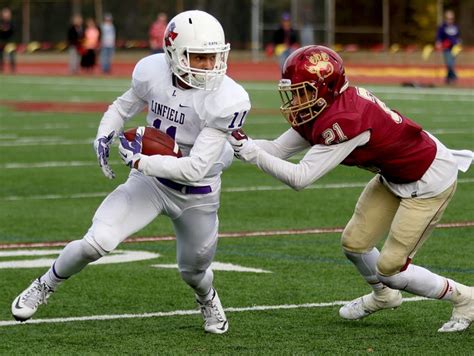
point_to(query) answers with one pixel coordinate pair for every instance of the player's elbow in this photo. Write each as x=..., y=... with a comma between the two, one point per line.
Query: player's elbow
x=297, y=186
x=297, y=182
x=301, y=178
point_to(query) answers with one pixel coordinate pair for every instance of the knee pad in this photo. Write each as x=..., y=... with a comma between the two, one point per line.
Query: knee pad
x=194, y=264
x=197, y=279
x=89, y=251
x=390, y=263
x=75, y=256
x=102, y=237
x=351, y=243
x=83, y=249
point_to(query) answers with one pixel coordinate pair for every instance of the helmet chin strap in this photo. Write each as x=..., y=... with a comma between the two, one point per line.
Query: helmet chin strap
x=179, y=82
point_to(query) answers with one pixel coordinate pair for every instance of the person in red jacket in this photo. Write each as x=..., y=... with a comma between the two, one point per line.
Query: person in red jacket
x=415, y=178
x=157, y=33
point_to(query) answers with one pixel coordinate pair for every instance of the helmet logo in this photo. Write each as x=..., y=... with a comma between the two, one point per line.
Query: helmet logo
x=170, y=35
x=320, y=65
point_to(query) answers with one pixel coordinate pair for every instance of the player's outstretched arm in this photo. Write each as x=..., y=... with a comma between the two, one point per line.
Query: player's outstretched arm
x=286, y=145
x=319, y=160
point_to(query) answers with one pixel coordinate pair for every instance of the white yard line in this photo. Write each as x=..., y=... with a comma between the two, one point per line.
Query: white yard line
x=245, y=189
x=184, y=312
x=10, y=140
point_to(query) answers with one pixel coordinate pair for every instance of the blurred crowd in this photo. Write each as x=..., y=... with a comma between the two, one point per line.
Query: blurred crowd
x=91, y=45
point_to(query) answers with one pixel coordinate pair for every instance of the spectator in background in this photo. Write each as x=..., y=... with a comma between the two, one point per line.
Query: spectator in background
x=448, y=40
x=157, y=33
x=107, y=47
x=91, y=44
x=285, y=39
x=75, y=36
x=6, y=34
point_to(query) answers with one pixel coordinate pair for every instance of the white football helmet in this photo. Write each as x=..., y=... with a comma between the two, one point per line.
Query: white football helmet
x=196, y=32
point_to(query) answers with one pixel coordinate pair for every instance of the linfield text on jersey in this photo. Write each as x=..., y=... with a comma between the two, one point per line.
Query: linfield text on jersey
x=167, y=113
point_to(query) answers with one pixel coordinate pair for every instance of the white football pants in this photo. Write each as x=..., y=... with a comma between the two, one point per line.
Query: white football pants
x=134, y=204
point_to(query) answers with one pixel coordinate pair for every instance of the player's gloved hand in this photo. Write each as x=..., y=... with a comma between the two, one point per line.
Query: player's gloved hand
x=130, y=151
x=244, y=147
x=102, y=150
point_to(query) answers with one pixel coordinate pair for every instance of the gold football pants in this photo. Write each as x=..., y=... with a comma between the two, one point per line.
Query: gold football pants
x=408, y=222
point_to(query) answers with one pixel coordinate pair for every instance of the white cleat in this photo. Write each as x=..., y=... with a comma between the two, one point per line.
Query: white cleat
x=27, y=303
x=215, y=321
x=462, y=317
x=364, y=306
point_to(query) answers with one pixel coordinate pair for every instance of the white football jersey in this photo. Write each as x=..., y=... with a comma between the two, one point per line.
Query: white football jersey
x=199, y=121
x=182, y=114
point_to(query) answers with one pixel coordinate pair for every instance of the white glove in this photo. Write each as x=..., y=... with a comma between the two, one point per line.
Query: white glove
x=102, y=150
x=244, y=147
x=130, y=151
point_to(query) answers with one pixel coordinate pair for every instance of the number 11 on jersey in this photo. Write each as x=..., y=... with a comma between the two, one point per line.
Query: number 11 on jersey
x=234, y=119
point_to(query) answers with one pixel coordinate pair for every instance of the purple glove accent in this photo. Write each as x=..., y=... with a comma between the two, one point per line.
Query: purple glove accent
x=130, y=150
x=102, y=146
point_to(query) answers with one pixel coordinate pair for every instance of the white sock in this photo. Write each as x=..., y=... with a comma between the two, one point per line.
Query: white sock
x=205, y=297
x=72, y=259
x=51, y=278
x=366, y=264
x=420, y=281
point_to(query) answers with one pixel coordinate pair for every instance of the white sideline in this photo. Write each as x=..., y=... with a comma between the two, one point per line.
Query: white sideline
x=182, y=312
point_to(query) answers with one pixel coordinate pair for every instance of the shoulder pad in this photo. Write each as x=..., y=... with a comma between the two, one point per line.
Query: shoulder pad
x=226, y=109
x=146, y=72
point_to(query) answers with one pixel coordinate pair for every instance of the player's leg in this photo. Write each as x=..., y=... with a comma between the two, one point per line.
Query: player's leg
x=196, y=239
x=126, y=210
x=413, y=223
x=370, y=222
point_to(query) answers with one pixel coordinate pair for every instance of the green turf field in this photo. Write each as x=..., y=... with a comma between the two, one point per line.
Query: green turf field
x=51, y=186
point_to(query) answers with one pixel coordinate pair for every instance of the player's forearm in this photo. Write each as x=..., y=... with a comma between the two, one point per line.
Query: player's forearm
x=285, y=146
x=318, y=161
x=185, y=169
x=193, y=168
x=298, y=176
x=121, y=110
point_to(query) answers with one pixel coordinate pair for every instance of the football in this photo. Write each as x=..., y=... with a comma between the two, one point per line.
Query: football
x=155, y=142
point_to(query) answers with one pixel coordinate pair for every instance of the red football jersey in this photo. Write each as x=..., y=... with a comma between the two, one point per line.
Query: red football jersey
x=398, y=148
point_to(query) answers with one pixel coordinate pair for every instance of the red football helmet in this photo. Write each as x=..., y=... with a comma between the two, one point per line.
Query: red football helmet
x=312, y=78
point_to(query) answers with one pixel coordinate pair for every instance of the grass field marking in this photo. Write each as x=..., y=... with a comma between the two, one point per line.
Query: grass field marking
x=241, y=234
x=44, y=141
x=184, y=312
x=53, y=141
x=117, y=256
x=224, y=190
x=51, y=164
x=219, y=266
x=44, y=127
